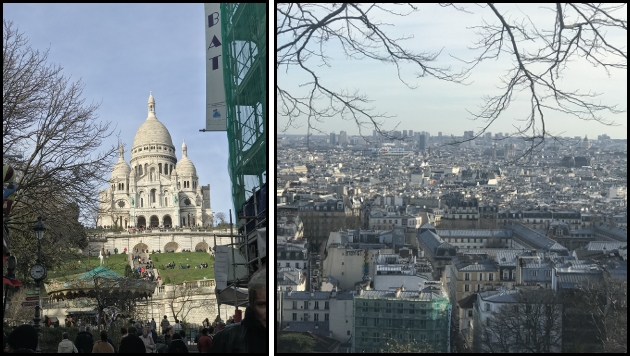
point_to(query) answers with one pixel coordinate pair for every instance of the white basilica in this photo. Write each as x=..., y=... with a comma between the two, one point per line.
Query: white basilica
x=156, y=190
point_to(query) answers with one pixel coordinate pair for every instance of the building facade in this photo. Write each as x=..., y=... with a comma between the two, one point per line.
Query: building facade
x=155, y=190
x=421, y=316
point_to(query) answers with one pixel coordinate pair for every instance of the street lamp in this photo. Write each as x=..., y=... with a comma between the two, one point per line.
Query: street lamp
x=38, y=273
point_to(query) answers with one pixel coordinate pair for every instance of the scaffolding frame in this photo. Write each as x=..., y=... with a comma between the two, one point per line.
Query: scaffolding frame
x=244, y=32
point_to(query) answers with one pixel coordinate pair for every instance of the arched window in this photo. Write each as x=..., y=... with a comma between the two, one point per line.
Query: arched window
x=140, y=169
x=152, y=196
x=122, y=186
x=166, y=169
x=165, y=201
x=141, y=202
x=160, y=168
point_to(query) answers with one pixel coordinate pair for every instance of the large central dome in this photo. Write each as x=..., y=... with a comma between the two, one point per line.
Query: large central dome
x=152, y=131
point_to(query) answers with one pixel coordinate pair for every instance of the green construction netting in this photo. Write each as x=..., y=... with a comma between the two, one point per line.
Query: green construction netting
x=244, y=30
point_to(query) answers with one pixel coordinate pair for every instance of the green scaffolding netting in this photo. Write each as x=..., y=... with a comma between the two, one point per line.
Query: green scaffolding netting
x=244, y=31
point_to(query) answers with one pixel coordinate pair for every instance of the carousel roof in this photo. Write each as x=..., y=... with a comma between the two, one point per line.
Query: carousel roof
x=101, y=280
x=100, y=272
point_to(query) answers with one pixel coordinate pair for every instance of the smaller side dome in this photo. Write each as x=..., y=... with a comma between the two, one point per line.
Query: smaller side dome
x=185, y=165
x=121, y=168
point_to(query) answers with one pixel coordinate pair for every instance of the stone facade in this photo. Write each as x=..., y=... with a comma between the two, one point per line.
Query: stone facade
x=156, y=190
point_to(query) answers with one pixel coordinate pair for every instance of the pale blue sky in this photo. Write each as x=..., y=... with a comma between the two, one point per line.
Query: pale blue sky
x=121, y=52
x=440, y=106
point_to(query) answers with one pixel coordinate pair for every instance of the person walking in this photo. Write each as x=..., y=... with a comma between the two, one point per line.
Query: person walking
x=251, y=334
x=198, y=335
x=84, y=340
x=182, y=333
x=164, y=324
x=177, y=345
x=149, y=344
x=102, y=346
x=177, y=326
x=204, y=345
x=132, y=343
x=66, y=346
x=153, y=325
x=23, y=339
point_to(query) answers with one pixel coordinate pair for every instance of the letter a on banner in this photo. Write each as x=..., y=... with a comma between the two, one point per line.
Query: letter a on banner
x=216, y=113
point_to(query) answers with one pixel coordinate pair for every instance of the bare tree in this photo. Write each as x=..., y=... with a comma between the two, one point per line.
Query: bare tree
x=46, y=120
x=221, y=216
x=597, y=314
x=540, y=56
x=533, y=323
x=185, y=297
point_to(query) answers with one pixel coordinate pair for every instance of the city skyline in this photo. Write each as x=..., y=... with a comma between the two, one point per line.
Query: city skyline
x=438, y=105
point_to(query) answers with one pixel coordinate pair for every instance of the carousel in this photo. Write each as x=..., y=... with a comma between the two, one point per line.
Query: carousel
x=107, y=293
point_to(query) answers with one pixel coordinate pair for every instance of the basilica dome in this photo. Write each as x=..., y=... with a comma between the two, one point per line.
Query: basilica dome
x=121, y=168
x=152, y=131
x=185, y=166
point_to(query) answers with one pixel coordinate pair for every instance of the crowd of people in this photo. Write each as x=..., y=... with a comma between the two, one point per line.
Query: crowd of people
x=202, y=265
x=248, y=335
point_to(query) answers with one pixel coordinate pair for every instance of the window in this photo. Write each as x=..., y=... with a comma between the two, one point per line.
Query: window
x=326, y=317
x=506, y=274
x=534, y=273
x=305, y=304
x=470, y=313
x=316, y=317
x=488, y=308
x=548, y=273
x=305, y=316
x=295, y=304
x=481, y=276
x=326, y=305
x=423, y=324
x=491, y=276
x=466, y=287
x=288, y=264
x=297, y=264
x=467, y=276
x=294, y=316
x=348, y=332
x=316, y=305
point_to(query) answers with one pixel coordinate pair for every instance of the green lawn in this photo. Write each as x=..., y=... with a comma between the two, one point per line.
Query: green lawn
x=71, y=269
x=178, y=275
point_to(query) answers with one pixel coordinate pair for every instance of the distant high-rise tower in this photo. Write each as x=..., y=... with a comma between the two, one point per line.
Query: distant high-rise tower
x=410, y=133
x=333, y=139
x=422, y=143
x=404, y=133
x=373, y=133
x=343, y=138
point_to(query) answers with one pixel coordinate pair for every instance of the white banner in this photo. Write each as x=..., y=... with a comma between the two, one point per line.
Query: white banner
x=221, y=266
x=216, y=119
